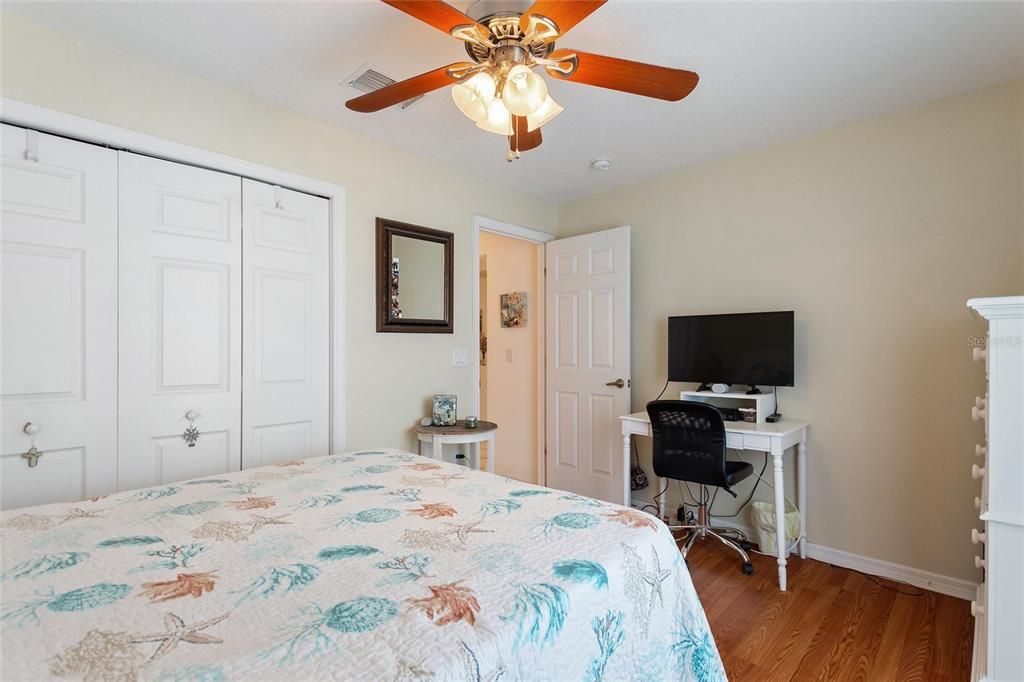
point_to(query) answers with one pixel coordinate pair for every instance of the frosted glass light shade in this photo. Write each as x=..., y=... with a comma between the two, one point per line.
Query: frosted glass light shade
x=547, y=111
x=473, y=96
x=498, y=121
x=524, y=91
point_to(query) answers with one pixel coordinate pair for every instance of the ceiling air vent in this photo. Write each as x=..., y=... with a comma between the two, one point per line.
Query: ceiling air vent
x=369, y=78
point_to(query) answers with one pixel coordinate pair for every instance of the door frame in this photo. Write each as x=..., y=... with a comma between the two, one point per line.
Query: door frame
x=59, y=123
x=485, y=224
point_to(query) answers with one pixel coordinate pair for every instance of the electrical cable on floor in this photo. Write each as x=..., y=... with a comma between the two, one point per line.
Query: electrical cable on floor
x=657, y=498
x=917, y=593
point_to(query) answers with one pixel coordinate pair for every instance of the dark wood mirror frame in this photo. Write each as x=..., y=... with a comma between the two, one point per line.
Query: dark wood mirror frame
x=386, y=229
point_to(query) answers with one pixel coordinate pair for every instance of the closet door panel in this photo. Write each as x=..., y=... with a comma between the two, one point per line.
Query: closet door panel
x=180, y=313
x=286, y=325
x=58, y=251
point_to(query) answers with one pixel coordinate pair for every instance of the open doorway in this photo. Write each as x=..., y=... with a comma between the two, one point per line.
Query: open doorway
x=510, y=330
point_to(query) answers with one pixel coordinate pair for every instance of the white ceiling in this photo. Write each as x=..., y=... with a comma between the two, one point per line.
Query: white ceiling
x=769, y=71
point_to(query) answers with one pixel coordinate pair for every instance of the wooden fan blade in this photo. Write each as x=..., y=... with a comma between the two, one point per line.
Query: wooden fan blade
x=565, y=13
x=638, y=78
x=522, y=139
x=407, y=89
x=440, y=15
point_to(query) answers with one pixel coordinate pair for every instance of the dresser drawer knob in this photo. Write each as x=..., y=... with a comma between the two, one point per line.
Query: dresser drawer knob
x=977, y=536
x=978, y=413
x=979, y=354
x=977, y=609
x=979, y=562
x=977, y=471
x=980, y=450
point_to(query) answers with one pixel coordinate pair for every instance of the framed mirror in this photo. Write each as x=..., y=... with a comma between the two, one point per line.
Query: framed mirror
x=414, y=278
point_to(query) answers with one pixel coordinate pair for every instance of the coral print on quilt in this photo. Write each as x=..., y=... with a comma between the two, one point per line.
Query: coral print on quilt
x=378, y=565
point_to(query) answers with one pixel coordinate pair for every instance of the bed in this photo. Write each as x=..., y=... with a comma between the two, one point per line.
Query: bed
x=378, y=565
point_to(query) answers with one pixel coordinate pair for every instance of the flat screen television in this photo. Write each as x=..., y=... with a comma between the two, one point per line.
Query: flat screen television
x=746, y=348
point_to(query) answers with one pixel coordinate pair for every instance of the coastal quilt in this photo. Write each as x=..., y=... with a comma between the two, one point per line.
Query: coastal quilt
x=378, y=565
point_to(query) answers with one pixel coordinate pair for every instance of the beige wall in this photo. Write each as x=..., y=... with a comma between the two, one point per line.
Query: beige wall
x=512, y=384
x=875, y=234
x=390, y=376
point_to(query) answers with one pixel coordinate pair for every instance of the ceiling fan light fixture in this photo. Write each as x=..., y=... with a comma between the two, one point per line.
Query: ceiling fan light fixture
x=498, y=120
x=548, y=110
x=474, y=96
x=524, y=91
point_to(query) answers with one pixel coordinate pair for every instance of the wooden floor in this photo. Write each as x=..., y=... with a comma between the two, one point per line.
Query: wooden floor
x=831, y=624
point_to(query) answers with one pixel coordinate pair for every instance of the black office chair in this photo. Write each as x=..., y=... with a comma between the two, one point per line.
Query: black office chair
x=689, y=445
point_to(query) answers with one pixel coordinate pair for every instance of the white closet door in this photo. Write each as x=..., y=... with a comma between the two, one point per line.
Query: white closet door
x=179, y=332
x=285, y=325
x=58, y=257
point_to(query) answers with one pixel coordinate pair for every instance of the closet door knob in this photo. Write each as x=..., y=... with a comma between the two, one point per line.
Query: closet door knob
x=977, y=471
x=980, y=450
x=618, y=383
x=979, y=354
x=979, y=562
x=978, y=413
x=977, y=536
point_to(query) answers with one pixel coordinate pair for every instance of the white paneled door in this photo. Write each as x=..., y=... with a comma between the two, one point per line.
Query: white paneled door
x=58, y=258
x=588, y=364
x=285, y=325
x=180, y=336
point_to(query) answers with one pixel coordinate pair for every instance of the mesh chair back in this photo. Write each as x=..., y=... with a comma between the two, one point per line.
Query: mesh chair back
x=689, y=441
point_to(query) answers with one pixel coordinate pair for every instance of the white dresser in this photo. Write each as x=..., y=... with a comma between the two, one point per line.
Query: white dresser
x=999, y=537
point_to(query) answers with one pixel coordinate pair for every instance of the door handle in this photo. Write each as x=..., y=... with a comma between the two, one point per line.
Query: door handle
x=618, y=383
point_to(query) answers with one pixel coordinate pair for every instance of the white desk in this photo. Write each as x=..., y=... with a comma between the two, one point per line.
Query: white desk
x=774, y=438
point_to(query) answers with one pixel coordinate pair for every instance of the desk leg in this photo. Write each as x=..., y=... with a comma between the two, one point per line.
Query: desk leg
x=627, y=466
x=780, y=514
x=801, y=473
x=437, y=449
x=492, y=452
x=663, y=484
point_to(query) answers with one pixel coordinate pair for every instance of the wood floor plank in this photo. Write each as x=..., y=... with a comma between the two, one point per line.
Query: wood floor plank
x=831, y=624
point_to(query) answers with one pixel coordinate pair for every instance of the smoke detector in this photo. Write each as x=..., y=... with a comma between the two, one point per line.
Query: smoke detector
x=601, y=164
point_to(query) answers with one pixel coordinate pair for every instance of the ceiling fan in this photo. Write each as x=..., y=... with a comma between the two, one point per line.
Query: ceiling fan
x=499, y=90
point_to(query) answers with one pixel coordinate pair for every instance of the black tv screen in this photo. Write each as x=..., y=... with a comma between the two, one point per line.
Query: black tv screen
x=745, y=348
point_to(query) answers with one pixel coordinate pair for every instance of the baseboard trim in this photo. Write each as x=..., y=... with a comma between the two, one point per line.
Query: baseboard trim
x=926, y=580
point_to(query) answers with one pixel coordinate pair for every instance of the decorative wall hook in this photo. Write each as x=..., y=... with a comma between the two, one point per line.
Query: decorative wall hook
x=33, y=454
x=191, y=434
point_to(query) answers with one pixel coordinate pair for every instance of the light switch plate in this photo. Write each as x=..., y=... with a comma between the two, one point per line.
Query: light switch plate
x=460, y=358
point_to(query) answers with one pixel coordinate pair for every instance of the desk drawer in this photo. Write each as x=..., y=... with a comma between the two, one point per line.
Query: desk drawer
x=754, y=441
x=748, y=441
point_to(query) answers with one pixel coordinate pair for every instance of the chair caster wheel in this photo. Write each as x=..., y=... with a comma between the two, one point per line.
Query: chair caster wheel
x=748, y=568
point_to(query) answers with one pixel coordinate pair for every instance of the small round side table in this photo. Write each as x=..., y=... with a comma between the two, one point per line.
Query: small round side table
x=438, y=436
